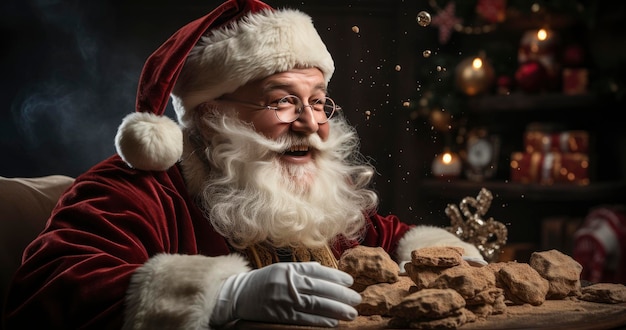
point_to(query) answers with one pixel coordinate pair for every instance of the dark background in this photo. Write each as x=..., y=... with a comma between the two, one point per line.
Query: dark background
x=70, y=70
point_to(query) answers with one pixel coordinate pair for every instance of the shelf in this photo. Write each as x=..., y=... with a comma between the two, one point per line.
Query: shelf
x=531, y=102
x=600, y=192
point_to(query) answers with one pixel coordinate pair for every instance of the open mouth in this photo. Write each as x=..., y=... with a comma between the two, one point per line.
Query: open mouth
x=297, y=151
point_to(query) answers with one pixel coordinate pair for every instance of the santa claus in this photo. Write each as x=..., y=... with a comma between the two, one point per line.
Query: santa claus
x=237, y=210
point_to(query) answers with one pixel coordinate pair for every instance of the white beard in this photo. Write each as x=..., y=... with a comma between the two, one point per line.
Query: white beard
x=251, y=197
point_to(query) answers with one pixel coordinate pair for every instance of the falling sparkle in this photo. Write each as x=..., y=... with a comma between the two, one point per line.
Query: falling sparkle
x=355, y=29
x=398, y=68
x=423, y=18
x=368, y=114
x=427, y=53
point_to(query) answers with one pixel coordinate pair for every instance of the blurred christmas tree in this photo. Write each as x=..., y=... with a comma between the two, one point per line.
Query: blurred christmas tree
x=464, y=29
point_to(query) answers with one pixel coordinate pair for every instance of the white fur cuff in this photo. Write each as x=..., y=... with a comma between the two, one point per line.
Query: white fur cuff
x=425, y=236
x=172, y=291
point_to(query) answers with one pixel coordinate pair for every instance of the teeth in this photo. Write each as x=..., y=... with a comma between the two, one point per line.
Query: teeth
x=298, y=148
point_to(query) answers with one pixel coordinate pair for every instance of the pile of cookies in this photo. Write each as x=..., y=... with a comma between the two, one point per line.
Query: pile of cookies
x=440, y=290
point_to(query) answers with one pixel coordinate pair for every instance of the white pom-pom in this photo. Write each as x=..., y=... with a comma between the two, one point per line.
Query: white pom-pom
x=149, y=142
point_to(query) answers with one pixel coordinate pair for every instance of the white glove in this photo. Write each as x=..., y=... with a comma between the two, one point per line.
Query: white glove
x=304, y=293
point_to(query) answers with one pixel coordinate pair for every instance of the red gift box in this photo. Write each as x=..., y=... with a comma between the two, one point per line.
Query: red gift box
x=575, y=81
x=550, y=167
x=565, y=141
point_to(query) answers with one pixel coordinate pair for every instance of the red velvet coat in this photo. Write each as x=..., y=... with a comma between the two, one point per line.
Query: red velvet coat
x=76, y=274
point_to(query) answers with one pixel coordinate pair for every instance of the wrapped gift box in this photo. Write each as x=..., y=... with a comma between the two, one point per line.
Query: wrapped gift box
x=550, y=167
x=575, y=81
x=565, y=141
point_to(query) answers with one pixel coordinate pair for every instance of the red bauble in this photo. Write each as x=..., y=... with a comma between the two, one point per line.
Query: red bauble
x=504, y=84
x=531, y=77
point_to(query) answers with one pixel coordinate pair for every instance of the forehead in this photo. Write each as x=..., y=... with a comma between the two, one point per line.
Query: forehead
x=294, y=81
x=309, y=78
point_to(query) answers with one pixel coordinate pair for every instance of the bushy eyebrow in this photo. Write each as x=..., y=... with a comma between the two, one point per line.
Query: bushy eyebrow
x=272, y=86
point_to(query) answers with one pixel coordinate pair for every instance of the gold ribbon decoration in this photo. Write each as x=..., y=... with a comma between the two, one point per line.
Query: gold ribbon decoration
x=467, y=223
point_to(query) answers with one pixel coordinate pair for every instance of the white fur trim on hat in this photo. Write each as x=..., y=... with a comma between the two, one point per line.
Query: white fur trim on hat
x=258, y=45
x=149, y=142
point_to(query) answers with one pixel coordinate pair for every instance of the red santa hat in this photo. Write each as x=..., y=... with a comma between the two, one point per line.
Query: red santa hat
x=238, y=42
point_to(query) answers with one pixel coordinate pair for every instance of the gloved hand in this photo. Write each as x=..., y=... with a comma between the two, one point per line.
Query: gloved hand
x=303, y=293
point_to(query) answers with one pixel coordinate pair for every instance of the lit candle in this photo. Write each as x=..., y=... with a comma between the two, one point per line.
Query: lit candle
x=446, y=165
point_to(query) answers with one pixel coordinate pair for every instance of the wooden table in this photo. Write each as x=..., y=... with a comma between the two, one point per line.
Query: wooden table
x=552, y=314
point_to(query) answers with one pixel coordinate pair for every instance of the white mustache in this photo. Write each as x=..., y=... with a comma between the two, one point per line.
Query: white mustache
x=291, y=143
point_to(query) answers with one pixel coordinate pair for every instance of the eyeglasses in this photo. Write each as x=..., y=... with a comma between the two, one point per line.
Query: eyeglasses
x=289, y=108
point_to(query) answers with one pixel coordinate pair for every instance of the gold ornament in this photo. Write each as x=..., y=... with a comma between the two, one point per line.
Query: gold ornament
x=440, y=119
x=489, y=236
x=474, y=75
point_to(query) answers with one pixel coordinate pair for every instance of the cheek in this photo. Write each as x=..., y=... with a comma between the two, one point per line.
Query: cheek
x=271, y=130
x=266, y=124
x=324, y=131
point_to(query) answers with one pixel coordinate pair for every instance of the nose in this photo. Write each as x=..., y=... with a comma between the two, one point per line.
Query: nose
x=306, y=123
